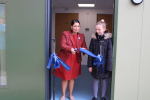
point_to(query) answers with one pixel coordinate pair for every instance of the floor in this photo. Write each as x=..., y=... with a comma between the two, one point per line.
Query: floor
x=83, y=88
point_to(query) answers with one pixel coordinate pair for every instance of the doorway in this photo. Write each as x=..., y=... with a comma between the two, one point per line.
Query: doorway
x=88, y=18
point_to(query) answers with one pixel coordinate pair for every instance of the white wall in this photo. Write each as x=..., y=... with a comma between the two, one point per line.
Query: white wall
x=133, y=51
x=144, y=82
x=85, y=22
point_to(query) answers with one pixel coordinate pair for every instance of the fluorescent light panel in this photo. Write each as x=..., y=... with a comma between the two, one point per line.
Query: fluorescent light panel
x=86, y=5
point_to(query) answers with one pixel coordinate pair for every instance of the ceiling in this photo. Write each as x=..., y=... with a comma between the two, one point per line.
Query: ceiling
x=99, y=4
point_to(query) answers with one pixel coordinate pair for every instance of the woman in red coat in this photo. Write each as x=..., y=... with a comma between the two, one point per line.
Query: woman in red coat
x=69, y=41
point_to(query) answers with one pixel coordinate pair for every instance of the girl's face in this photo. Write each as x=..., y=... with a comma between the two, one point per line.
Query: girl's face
x=75, y=28
x=100, y=29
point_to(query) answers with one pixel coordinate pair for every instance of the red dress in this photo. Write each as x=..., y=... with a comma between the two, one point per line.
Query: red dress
x=72, y=61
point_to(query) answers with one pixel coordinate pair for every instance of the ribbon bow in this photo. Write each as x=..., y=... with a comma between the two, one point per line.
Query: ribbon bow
x=99, y=58
x=56, y=61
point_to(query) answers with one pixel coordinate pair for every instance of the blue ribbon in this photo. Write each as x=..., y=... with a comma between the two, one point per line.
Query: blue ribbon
x=99, y=58
x=56, y=61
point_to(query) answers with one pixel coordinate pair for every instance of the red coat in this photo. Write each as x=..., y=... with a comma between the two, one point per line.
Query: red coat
x=66, y=44
x=68, y=41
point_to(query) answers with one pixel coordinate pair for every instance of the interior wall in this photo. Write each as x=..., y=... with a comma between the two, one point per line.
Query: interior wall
x=25, y=50
x=128, y=50
x=144, y=82
x=132, y=69
x=87, y=18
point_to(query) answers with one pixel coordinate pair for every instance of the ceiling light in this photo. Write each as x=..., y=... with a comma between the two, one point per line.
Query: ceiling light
x=86, y=5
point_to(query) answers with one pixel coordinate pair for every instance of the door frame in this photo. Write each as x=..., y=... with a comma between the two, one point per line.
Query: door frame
x=115, y=27
x=48, y=46
x=48, y=37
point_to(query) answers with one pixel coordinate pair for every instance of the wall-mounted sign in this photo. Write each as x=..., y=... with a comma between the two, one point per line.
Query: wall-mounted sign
x=137, y=2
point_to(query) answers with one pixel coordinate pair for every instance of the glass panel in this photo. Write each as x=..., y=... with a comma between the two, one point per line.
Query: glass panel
x=3, y=79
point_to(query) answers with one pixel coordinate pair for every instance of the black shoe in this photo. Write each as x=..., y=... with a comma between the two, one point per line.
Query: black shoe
x=94, y=98
x=103, y=98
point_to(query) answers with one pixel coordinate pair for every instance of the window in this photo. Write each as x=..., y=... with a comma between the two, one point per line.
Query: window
x=3, y=79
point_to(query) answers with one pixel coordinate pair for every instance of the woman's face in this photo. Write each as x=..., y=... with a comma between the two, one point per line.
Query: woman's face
x=100, y=29
x=75, y=28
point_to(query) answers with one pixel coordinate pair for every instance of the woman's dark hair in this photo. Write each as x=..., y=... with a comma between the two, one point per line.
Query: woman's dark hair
x=74, y=21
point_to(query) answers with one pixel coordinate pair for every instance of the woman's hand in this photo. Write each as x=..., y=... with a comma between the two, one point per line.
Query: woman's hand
x=90, y=69
x=73, y=51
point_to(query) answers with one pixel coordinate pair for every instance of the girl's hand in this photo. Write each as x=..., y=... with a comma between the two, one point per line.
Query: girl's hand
x=73, y=51
x=84, y=53
x=90, y=69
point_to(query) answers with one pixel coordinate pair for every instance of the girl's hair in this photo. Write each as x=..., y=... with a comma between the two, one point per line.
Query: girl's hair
x=74, y=21
x=107, y=31
x=102, y=22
